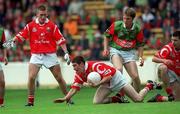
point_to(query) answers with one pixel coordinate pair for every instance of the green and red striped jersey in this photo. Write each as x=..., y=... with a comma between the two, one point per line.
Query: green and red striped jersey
x=123, y=38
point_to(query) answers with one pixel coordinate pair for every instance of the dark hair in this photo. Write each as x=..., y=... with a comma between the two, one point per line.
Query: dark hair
x=78, y=60
x=42, y=7
x=176, y=34
x=130, y=12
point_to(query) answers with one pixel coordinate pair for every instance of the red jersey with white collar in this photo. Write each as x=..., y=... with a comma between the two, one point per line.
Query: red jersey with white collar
x=169, y=52
x=43, y=38
x=103, y=69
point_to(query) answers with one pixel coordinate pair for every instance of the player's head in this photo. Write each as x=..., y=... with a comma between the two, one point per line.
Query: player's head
x=78, y=64
x=42, y=13
x=176, y=39
x=129, y=15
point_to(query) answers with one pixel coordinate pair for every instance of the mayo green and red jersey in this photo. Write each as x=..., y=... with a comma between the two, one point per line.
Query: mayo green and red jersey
x=123, y=38
x=92, y=66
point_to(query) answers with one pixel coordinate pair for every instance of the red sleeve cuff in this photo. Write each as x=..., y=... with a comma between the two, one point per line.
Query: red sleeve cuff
x=19, y=39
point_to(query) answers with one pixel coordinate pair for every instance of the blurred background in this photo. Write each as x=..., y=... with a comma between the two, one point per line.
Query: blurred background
x=83, y=23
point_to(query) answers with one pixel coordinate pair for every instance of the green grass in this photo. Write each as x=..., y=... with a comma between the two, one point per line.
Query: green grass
x=16, y=99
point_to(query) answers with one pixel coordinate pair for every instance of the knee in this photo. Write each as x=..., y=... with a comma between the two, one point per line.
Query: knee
x=162, y=68
x=96, y=101
x=138, y=99
x=32, y=78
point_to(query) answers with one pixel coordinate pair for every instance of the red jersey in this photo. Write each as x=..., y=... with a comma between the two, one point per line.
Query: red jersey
x=103, y=69
x=43, y=38
x=169, y=52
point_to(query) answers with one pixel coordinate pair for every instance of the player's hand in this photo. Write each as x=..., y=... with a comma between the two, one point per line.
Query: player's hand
x=86, y=84
x=141, y=61
x=168, y=62
x=59, y=100
x=8, y=44
x=91, y=84
x=105, y=52
x=67, y=58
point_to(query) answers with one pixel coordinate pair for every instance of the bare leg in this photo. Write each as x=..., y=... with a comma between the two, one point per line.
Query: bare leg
x=56, y=71
x=101, y=95
x=132, y=70
x=117, y=62
x=176, y=88
x=131, y=93
x=33, y=71
x=162, y=74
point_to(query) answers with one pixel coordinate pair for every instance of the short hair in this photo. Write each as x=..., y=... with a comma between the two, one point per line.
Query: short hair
x=78, y=60
x=42, y=7
x=176, y=34
x=130, y=12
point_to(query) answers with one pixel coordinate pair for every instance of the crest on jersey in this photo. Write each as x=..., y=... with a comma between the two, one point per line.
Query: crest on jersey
x=48, y=29
x=34, y=29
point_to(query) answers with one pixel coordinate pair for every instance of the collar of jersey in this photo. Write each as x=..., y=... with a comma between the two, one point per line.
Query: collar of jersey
x=37, y=21
x=125, y=26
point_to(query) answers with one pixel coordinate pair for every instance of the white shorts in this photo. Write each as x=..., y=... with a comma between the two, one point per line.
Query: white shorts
x=127, y=56
x=173, y=76
x=47, y=60
x=1, y=67
x=118, y=81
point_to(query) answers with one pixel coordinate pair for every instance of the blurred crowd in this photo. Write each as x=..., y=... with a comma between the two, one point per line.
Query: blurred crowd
x=83, y=28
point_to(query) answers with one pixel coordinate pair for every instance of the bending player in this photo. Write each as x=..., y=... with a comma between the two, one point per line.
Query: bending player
x=169, y=69
x=112, y=81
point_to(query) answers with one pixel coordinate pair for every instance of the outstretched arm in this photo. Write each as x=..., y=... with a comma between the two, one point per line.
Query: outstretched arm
x=70, y=94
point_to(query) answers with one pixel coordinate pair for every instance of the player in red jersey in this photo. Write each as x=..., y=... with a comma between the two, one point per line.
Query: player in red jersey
x=44, y=37
x=121, y=40
x=2, y=81
x=112, y=80
x=169, y=69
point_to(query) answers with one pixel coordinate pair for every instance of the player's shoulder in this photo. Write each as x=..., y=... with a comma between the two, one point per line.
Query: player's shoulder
x=31, y=23
x=137, y=26
x=170, y=46
x=118, y=23
x=51, y=23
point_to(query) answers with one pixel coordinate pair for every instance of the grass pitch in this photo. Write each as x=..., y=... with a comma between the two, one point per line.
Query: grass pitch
x=16, y=99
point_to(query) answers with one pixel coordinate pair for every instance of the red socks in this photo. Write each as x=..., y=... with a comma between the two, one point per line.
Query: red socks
x=1, y=101
x=31, y=99
x=115, y=99
x=159, y=98
x=149, y=86
x=169, y=91
x=121, y=93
